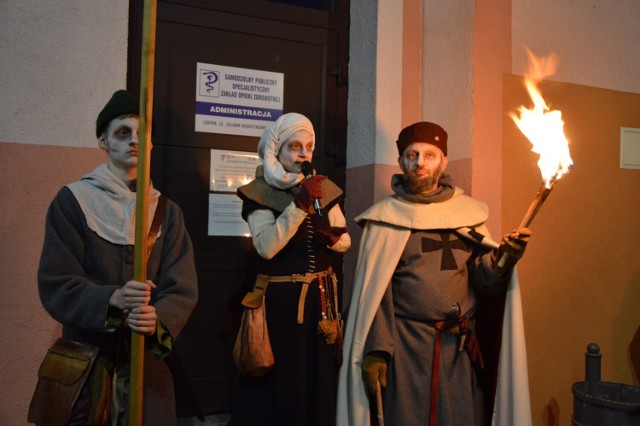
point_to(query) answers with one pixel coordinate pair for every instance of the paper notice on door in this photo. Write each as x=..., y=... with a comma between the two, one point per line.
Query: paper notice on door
x=237, y=101
x=225, y=218
x=228, y=171
x=231, y=169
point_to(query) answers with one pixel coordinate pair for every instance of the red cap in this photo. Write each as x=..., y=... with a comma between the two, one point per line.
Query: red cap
x=422, y=132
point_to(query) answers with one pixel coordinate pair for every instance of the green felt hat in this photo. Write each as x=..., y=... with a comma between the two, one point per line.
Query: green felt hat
x=121, y=103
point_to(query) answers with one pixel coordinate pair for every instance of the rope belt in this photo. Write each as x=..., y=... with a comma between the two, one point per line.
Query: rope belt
x=468, y=342
x=254, y=298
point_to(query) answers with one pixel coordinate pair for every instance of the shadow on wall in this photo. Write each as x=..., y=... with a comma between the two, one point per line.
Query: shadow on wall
x=634, y=353
x=552, y=415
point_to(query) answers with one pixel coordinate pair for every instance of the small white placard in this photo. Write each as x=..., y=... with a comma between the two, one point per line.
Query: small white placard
x=225, y=218
x=629, y=148
x=231, y=169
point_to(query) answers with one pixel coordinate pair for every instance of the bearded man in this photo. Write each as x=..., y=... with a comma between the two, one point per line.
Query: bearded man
x=425, y=263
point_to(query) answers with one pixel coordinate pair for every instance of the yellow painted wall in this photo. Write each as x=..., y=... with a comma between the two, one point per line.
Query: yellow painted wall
x=580, y=276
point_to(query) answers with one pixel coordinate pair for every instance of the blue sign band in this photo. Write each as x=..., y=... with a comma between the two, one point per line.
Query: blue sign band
x=236, y=111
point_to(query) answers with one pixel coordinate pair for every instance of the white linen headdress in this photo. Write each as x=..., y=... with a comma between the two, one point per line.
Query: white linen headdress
x=273, y=137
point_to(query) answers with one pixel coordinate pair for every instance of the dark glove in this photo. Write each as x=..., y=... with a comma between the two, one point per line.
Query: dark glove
x=310, y=190
x=329, y=236
x=374, y=368
x=512, y=246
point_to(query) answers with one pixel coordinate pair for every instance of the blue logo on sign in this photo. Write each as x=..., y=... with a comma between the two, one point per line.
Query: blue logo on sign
x=209, y=85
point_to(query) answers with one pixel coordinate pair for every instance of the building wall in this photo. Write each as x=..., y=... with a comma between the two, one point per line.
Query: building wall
x=60, y=62
x=594, y=40
x=580, y=279
x=492, y=30
x=580, y=276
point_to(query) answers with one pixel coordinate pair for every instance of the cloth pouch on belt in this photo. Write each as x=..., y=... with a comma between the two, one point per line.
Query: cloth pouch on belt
x=252, y=352
x=61, y=376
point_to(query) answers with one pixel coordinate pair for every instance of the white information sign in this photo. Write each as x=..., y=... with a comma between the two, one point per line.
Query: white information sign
x=237, y=101
x=225, y=218
x=231, y=169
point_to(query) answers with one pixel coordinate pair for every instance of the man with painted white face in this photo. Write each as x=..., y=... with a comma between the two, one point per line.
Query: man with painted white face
x=424, y=265
x=296, y=246
x=85, y=278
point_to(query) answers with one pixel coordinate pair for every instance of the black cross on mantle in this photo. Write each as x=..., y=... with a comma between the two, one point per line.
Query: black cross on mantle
x=448, y=262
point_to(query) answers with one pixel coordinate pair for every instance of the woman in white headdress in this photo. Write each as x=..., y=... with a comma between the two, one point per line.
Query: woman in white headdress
x=296, y=246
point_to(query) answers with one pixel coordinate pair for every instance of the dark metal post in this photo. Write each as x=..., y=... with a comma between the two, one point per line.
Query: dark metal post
x=593, y=358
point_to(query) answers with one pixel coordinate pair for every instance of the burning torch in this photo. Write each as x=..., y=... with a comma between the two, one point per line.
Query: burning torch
x=545, y=130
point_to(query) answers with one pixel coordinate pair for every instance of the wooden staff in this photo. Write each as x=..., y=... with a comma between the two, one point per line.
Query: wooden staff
x=142, y=199
x=379, y=406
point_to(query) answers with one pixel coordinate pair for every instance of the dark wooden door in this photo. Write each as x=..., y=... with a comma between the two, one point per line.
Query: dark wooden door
x=304, y=40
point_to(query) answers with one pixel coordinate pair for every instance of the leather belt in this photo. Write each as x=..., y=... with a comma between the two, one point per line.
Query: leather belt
x=468, y=342
x=297, y=278
x=254, y=298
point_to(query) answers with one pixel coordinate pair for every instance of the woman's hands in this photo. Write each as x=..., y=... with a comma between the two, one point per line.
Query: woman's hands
x=310, y=190
x=329, y=236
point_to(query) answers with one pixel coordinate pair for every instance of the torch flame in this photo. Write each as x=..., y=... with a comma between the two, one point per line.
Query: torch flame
x=544, y=127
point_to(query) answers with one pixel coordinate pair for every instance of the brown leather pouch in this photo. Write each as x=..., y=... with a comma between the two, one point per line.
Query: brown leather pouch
x=61, y=376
